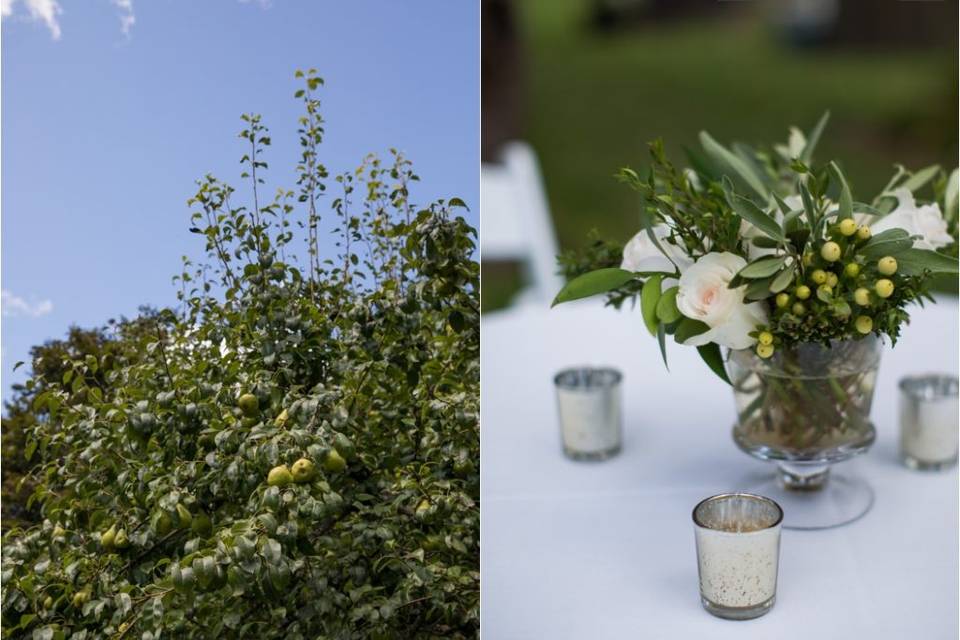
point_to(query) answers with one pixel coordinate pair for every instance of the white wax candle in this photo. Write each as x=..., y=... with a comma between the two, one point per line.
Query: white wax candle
x=590, y=421
x=929, y=429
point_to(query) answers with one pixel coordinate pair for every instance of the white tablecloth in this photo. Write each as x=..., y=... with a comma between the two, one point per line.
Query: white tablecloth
x=606, y=550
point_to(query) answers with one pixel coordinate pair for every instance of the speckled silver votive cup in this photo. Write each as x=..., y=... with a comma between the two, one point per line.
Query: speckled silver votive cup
x=588, y=400
x=929, y=422
x=738, y=553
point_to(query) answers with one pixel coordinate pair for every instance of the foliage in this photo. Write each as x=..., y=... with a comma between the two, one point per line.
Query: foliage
x=50, y=362
x=809, y=256
x=360, y=373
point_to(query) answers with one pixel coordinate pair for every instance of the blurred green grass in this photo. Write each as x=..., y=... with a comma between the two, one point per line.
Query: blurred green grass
x=593, y=100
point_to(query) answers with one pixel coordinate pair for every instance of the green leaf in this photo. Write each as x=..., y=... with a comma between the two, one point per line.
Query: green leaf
x=592, y=283
x=886, y=243
x=662, y=341
x=783, y=279
x=667, y=311
x=29, y=450
x=951, y=196
x=689, y=328
x=746, y=209
x=457, y=321
x=813, y=138
x=808, y=205
x=711, y=355
x=862, y=207
x=758, y=289
x=730, y=165
x=457, y=202
x=784, y=209
x=916, y=261
x=846, y=199
x=792, y=223
x=920, y=178
x=18, y=365
x=762, y=268
x=649, y=297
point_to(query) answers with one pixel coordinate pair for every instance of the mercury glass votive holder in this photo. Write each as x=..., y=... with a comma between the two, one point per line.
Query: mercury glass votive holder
x=738, y=554
x=588, y=400
x=929, y=422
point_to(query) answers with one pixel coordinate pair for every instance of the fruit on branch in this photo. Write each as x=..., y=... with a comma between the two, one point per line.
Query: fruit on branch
x=334, y=462
x=279, y=476
x=303, y=470
x=249, y=404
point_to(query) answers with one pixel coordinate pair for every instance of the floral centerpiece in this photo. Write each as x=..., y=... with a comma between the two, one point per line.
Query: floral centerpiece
x=783, y=281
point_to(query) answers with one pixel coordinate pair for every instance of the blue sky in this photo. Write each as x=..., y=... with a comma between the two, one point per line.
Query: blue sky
x=111, y=109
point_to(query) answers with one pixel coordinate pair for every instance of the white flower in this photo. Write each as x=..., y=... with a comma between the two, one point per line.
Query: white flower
x=641, y=254
x=705, y=296
x=795, y=145
x=925, y=221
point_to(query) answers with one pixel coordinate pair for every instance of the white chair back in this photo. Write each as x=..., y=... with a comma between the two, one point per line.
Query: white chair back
x=515, y=223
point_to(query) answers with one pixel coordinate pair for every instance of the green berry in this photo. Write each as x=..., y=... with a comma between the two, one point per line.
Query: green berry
x=819, y=276
x=884, y=288
x=862, y=296
x=825, y=288
x=783, y=299
x=765, y=338
x=847, y=227
x=803, y=291
x=764, y=350
x=864, y=324
x=863, y=233
x=887, y=265
x=798, y=309
x=832, y=279
x=830, y=251
x=851, y=270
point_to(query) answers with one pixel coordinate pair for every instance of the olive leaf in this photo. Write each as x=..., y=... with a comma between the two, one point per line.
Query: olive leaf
x=592, y=283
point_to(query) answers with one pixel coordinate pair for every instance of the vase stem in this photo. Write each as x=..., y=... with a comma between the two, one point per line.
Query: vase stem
x=803, y=477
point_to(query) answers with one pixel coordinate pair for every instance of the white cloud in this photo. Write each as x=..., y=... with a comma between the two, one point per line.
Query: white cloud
x=14, y=305
x=127, y=18
x=45, y=11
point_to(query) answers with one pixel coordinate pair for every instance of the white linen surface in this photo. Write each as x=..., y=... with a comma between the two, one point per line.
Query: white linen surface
x=606, y=550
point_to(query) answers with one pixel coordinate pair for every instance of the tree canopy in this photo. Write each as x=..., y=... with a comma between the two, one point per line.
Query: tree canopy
x=292, y=452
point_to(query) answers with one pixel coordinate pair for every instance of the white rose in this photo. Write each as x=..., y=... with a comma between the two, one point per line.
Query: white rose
x=705, y=296
x=925, y=221
x=641, y=254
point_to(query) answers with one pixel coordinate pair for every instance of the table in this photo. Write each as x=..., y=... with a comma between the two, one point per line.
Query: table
x=606, y=550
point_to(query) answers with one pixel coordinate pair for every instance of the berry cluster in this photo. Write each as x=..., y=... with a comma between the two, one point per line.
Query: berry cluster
x=836, y=283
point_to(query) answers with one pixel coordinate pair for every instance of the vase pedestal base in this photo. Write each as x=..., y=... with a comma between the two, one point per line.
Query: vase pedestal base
x=814, y=497
x=737, y=613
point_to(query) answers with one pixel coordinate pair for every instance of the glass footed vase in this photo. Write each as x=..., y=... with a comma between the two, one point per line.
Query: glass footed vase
x=805, y=409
